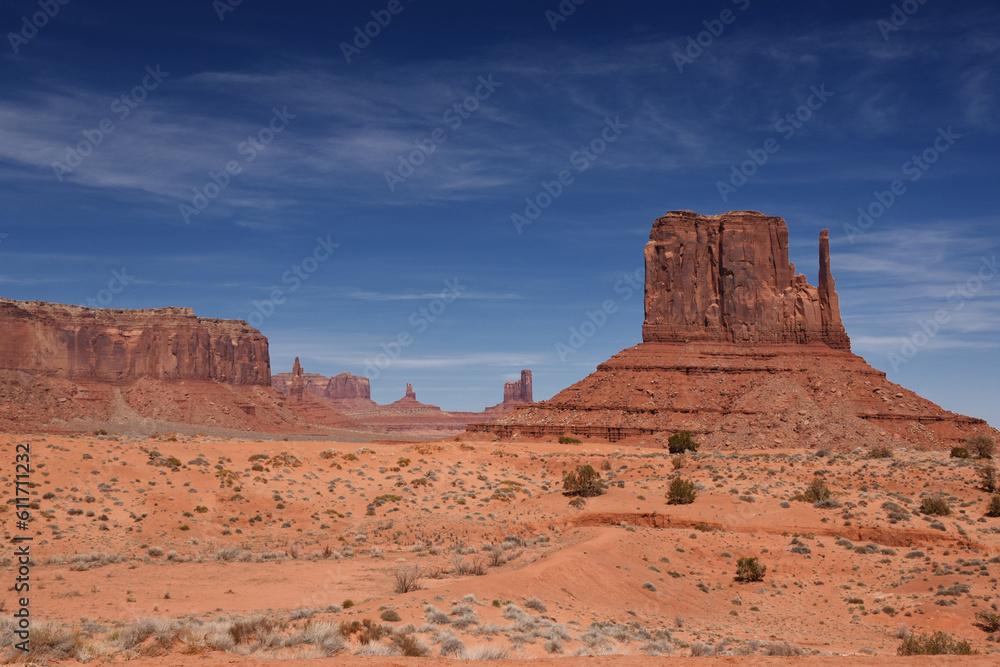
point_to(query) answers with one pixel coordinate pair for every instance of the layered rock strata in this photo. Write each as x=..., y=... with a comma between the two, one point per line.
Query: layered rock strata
x=78, y=343
x=518, y=391
x=743, y=352
x=727, y=278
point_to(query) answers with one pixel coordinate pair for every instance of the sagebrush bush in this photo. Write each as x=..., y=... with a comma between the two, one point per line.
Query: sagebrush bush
x=936, y=506
x=585, y=482
x=959, y=453
x=566, y=440
x=749, y=569
x=390, y=615
x=681, y=492
x=681, y=442
x=937, y=644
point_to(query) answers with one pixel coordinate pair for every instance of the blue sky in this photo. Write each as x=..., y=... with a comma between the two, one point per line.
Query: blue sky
x=238, y=165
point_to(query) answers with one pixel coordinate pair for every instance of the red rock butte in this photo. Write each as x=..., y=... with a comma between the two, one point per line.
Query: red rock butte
x=741, y=350
x=79, y=343
x=66, y=368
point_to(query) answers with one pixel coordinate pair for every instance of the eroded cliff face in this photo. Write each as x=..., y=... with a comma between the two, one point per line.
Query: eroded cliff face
x=348, y=386
x=119, y=346
x=743, y=352
x=518, y=391
x=727, y=278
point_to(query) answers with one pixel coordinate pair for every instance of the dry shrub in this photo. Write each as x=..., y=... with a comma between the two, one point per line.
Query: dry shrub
x=407, y=579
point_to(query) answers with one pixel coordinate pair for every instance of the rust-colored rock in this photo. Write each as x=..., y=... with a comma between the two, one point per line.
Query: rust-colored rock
x=727, y=278
x=66, y=368
x=741, y=351
x=312, y=383
x=348, y=385
x=297, y=385
x=518, y=391
x=80, y=343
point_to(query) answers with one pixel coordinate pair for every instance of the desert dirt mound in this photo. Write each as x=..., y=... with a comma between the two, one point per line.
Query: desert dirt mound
x=187, y=550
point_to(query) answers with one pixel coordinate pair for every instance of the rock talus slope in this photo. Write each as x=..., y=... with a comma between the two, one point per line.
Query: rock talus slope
x=741, y=350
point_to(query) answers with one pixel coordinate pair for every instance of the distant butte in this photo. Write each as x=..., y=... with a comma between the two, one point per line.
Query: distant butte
x=741, y=350
x=71, y=368
x=351, y=395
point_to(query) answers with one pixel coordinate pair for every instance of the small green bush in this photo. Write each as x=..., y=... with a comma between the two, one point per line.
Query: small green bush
x=566, y=440
x=937, y=644
x=681, y=492
x=681, y=442
x=936, y=506
x=749, y=569
x=390, y=615
x=585, y=482
x=959, y=453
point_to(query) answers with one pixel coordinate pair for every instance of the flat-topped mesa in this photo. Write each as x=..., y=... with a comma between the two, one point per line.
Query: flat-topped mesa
x=518, y=391
x=348, y=386
x=727, y=278
x=79, y=343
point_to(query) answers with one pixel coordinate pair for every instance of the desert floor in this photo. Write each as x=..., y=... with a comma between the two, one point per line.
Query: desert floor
x=193, y=550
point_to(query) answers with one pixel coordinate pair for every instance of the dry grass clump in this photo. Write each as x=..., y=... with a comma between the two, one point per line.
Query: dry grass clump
x=486, y=652
x=164, y=631
x=49, y=641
